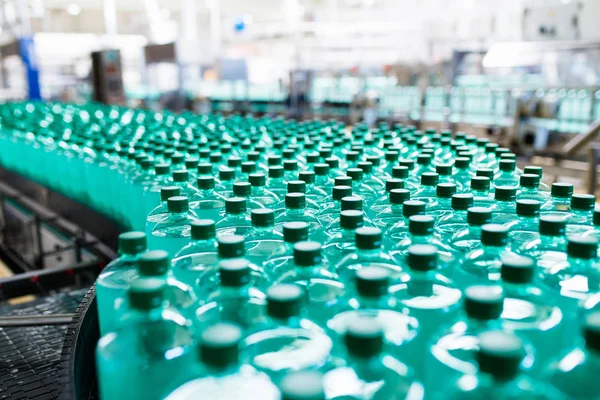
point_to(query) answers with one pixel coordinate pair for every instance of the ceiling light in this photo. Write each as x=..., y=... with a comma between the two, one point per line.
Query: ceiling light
x=73, y=9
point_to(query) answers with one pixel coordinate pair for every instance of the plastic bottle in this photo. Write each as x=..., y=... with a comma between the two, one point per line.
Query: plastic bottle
x=293, y=232
x=116, y=277
x=508, y=174
x=259, y=192
x=298, y=186
x=207, y=203
x=582, y=213
x=428, y=189
x=369, y=178
x=296, y=211
x=529, y=189
x=263, y=241
x=286, y=340
x=483, y=264
x=151, y=355
x=550, y=247
x=469, y=238
x=399, y=230
x=455, y=221
x=504, y=200
x=480, y=188
x=197, y=256
x=222, y=373
x=312, y=191
x=370, y=373
x=174, y=231
x=560, y=199
x=227, y=178
x=463, y=174
x=323, y=178
x=236, y=300
x=442, y=205
x=524, y=226
x=360, y=187
x=236, y=220
x=181, y=178
x=275, y=183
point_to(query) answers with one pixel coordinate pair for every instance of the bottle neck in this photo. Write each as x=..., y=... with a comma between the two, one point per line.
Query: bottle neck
x=296, y=211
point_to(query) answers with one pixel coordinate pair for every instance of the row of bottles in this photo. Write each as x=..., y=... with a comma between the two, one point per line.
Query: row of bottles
x=272, y=257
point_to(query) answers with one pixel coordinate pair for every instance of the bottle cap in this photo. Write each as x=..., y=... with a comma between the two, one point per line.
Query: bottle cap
x=295, y=201
x=531, y=169
x=583, y=202
x=491, y=147
x=479, y=216
x=394, y=184
x=153, y=263
x=235, y=205
x=203, y=229
x=231, y=246
x=234, y=272
x=307, y=176
x=413, y=207
x=162, y=169
x=462, y=201
x=219, y=345
x=462, y=162
x=508, y=156
x=552, y=225
x=584, y=247
x=285, y=300
x=262, y=217
x=487, y=172
x=205, y=182
x=302, y=385
x=226, y=174
x=596, y=218
x=290, y=165
x=391, y=155
x=294, y=232
x=321, y=169
x=530, y=180
x=274, y=160
x=445, y=189
x=366, y=166
x=313, y=158
x=505, y=193
x=500, y=354
x=400, y=172
x=372, y=281
x=204, y=168
x=352, y=203
x=444, y=169
x=351, y=219
x=368, y=238
x=480, y=183
x=307, y=254
x=242, y=189
x=146, y=293
x=409, y=164
x=420, y=225
x=422, y=257
x=178, y=204
x=215, y=157
x=339, y=192
x=528, y=208
x=296, y=186
x=257, y=179
x=364, y=337
x=399, y=196
x=132, y=243
x=517, y=269
x=343, y=181
x=352, y=155
x=494, y=235
x=355, y=173
x=333, y=162
x=234, y=162
x=424, y=159
x=429, y=178
x=484, y=301
x=591, y=331
x=275, y=171
x=507, y=165
x=561, y=189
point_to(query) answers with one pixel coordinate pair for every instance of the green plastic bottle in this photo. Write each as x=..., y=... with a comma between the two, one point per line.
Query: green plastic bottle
x=394, y=212
x=222, y=372
x=227, y=177
x=535, y=170
x=469, y=238
x=582, y=213
x=560, y=199
x=207, y=203
x=369, y=178
x=360, y=187
x=312, y=191
x=483, y=264
x=151, y=355
x=332, y=206
x=480, y=188
x=450, y=223
x=236, y=220
x=530, y=189
x=296, y=211
x=442, y=205
x=181, y=178
x=244, y=190
x=263, y=240
x=399, y=230
x=463, y=174
x=369, y=372
x=286, y=340
x=508, y=174
x=152, y=192
x=504, y=200
x=174, y=231
x=341, y=243
x=550, y=247
x=323, y=178
x=427, y=192
x=114, y=280
x=348, y=203
x=276, y=183
x=260, y=193
x=198, y=255
x=524, y=226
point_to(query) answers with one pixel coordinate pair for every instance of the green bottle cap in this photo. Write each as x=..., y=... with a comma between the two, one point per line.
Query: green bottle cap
x=517, y=269
x=364, y=337
x=205, y=182
x=552, y=225
x=313, y=157
x=444, y=169
x=562, y=189
x=394, y=184
x=481, y=142
x=302, y=385
x=462, y=162
x=352, y=203
x=500, y=354
x=355, y=173
x=368, y=238
x=391, y=156
x=399, y=196
x=219, y=345
x=290, y=165
x=285, y=300
x=205, y=169
x=462, y=201
x=531, y=169
x=262, y=217
x=343, y=181
x=296, y=186
x=491, y=147
x=153, y=263
x=307, y=254
x=295, y=201
x=505, y=193
x=487, y=172
x=274, y=160
x=400, y=172
x=352, y=155
x=424, y=159
x=321, y=169
x=422, y=257
x=480, y=183
x=445, y=189
x=132, y=243
x=294, y=232
x=413, y=207
x=231, y=246
x=226, y=174
x=584, y=247
x=333, y=162
x=177, y=159
x=366, y=166
x=146, y=293
x=507, y=165
x=235, y=205
x=203, y=229
x=429, y=179
x=528, y=208
x=494, y=235
x=276, y=171
x=479, y=216
x=178, y=204
x=234, y=162
x=257, y=179
x=372, y=281
x=501, y=150
x=421, y=225
x=249, y=167
x=596, y=216
x=162, y=169
x=215, y=158
x=530, y=181
x=583, y=202
x=484, y=302
x=409, y=164
x=234, y=272
x=351, y=219
x=591, y=331
x=242, y=189
x=339, y=192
